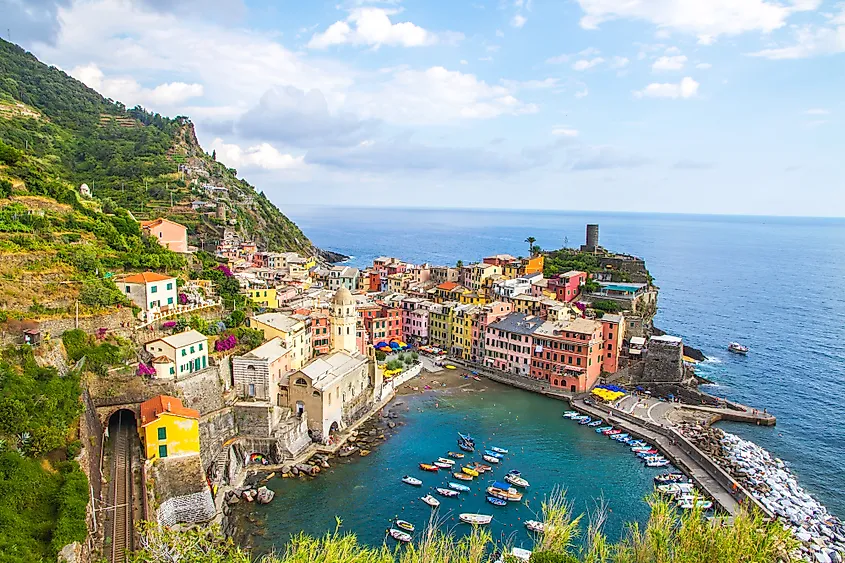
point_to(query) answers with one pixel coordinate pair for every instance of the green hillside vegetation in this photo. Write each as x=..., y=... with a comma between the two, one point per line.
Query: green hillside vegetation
x=129, y=157
x=667, y=537
x=42, y=497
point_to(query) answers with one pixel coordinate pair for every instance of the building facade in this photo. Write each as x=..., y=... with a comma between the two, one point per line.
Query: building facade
x=294, y=330
x=168, y=429
x=508, y=343
x=169, y=234
x=150, y=291
x=179, y=354
x=568, y=355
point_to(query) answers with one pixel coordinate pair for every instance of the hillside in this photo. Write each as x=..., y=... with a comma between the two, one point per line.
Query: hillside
x=149, y=164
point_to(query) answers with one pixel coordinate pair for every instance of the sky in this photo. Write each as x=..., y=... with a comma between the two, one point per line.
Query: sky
x=690, y=106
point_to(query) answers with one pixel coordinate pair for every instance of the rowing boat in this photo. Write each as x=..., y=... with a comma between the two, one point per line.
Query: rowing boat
x=429, y=467
x=470, y=471
x=405, y=525
x=462, y=476
x=476, y=519
x=399, y=535
x=490, y=459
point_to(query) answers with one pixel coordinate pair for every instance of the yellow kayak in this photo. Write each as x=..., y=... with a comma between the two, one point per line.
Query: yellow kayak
x=469, y=471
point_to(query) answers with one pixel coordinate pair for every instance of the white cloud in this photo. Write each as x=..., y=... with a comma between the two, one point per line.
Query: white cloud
x=585, y=64
x=704, y=18
x=565, y=132
x=812, y=40
x=817, y=111
x=559, y=59
x=518, y=20
x=531, y=84
x=263, y=156
x=673, y=51
x=686, y=88
x=704, y=66
x=130, y=92
x=589, y=52
x=372, y=27
x=582, y=93
x=619, y=62
x=669, y=63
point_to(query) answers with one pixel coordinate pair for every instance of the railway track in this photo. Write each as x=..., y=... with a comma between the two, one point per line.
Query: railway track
x=122, y=518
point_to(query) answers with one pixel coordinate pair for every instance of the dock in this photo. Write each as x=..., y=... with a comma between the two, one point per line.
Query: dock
x=707, y=475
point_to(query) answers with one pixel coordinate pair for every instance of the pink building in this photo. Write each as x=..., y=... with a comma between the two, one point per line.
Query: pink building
x=488, y=314
x=415, y=320
x=508, y=343
x=567, y=286
x=168, y=234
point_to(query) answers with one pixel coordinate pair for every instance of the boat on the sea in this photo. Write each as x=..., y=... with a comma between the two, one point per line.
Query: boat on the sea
x=493, y=454
x=612, y=432
x=647, y=453
x=482, y=468
x=585, y=421
x=580, y=418
x=442, y=465
x=490, y=459
x=459, y=487
x=445, y=460
x=596, y=423
x=446, y=492
x=411, y=481
x=535, y=526
x=497, y=501
x=688, y=503
x=429, y=467
x=516, y=472
x=516, y=480
x=462, y=476
x=476, y=519
x=603, y=429
x=737, y=348
x=504, y=491
x=466, y=447
x=657, y=462
x=476, y=378
x=669, y=478
x=470, y=471
x=399, y=535
x=570, y=414
x=430, y=500
x=405, y=525
x=677, y=489
x=499, y=450
x=456, y=455
x=618, y=436
x=466, y=438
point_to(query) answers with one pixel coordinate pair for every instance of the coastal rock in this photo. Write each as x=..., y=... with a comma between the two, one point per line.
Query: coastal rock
x=264, y=495
x=391, y=424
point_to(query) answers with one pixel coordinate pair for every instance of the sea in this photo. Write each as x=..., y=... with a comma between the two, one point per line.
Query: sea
x=775, y=284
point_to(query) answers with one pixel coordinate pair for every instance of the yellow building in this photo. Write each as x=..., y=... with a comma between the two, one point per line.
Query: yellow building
x=526, y=303
x=461, y=325
x=440, y=325
x=480, y=272
x=524, y=266
x=263, y=297
x=168, y=429
x=294, y=330
x=471, y=298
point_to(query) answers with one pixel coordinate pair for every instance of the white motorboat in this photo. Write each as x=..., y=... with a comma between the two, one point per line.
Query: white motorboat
x=516, y=480
x=446, y=460
x=431, y=501
x=535, y=526
x=657, y=463
x=499, y=450
x=688, y=503
x=490, y=459
x=737, y=348
x=446, y=492
x=399, y=535
x=411, y=480
x=476, y=519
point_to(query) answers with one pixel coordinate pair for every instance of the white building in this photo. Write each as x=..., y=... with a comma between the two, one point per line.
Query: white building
x=150, y=291
x=179, y=354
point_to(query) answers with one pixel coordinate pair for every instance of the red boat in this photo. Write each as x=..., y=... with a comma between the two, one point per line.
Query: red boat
x=429, y=467
x=612, y=432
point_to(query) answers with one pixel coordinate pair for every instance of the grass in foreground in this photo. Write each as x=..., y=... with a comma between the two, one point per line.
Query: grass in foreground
x=668, y=536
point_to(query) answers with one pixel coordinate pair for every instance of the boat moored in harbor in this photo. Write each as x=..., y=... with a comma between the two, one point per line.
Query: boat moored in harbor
x=399, y=535
x=411, y=481
x=476, y=519
x=490, y=459
x=430, y=500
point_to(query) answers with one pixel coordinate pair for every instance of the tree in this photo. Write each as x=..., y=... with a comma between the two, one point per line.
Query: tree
x=530, y=241
x=214, y=155
x=459, y=264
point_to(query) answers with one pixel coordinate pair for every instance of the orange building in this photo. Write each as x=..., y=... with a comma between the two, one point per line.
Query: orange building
x=568, y=355
x=168, y=234
x=613, y=332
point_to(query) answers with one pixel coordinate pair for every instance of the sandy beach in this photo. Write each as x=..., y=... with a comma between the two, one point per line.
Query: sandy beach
x=450, y=380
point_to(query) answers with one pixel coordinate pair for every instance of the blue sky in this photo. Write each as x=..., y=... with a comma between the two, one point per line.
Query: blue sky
x=700, y=106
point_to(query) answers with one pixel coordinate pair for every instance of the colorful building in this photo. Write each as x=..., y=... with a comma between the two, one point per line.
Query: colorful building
x=149, y=291
x=168, y=429
x=415, y=313
x=477, y=273
x=486, y=315
x=265, y=297
x=294, y=330
x=524, y=266
x=461, y=326
x=613, y=333
x=179, y=354
x=526, y=303
x=258, y=373
x=343, y=276
x=169, y=234
x=568, y=355
x=567, y=287
x=440, y=324
x=320, y=332
x=508, y=343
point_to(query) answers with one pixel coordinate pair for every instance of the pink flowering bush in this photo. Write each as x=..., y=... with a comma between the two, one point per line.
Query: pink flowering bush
x=168, y=325
x=225, y=269
x=226, y=343
x=183, y=299
x=145, y=370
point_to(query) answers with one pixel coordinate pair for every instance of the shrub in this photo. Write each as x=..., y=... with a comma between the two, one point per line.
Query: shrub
x=146, y=371
x=380, y=356
x=226, y=343
x=606, y=306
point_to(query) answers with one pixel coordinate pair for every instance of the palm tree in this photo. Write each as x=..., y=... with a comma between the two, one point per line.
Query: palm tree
x=530, y=241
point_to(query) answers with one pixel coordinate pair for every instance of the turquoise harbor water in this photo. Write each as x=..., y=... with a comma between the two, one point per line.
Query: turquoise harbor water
x=775, y=284
x=551, y=451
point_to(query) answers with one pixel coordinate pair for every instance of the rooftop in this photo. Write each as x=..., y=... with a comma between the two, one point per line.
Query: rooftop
x=666, y=339
x=183, y=339
x=447, y=286
x=153, y=408
x=578, y=325
x=519, y=323
x=325, y=370
x=271, y=350
x=612, y=318
x=279, y=321
x=145, y=277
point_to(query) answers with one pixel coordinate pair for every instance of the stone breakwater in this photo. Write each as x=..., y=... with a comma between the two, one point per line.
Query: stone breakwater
x=770, y=481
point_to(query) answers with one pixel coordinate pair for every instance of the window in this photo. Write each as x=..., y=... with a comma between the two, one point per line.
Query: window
x=301, y=381
x=172, y=370
x=192, y=349
x=162, y=433
x=200, y=346
x=251, y=390
x=184, y=352
x=203, y=362
x=170, y=301
x=170, y=285
x=127, y=289
x=162, y=451
x=154, y=289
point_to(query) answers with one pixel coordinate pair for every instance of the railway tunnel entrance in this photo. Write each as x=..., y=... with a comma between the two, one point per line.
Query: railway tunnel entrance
x=122, y=464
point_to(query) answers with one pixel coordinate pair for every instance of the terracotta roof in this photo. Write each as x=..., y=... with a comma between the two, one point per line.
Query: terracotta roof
x=448, y=286
x=145, y=277
x=152, y=409
x=159, y=221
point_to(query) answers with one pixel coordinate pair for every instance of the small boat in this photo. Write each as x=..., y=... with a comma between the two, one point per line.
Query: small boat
x=399, y=535
x=490, y=459
x=447, y=461
x=476, y=519
x=459, y=487
x=521, y=554
x=516, y=480
x=429, y=467
x=689, y=503
x=497, y=501
x=446, y=492
x=456, y=455
x=619, y=436
x=603, y=429
x=499, y=450
x=493, y=454
x=470, y=471
x=737, y=348
x=535, y=526
x=442, y=465
x=466, y=447
x=466, y=438
x=580, y=418
x=677, y=489
x=595, y=423
x=430, y=500
x=612, y=432
x=657, y=463
x=570, y=414
x=503, y=490
x=475, y=377
x=482, y=468
x=411, y=481
x=462, y=476
x=645, y=453
x=516, y=472
x=585, y=421
x=405, y=525
x=669, y=478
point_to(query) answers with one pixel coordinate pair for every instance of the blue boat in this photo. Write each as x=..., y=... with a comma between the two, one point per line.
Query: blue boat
x=595, y=423
x=458, y=487
x=497, y=501
x=601, y=429
x=491, y=453
x=516, y=472
x=585, y=421
x=499, y=450
x=466, y=438
x=466, y=447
